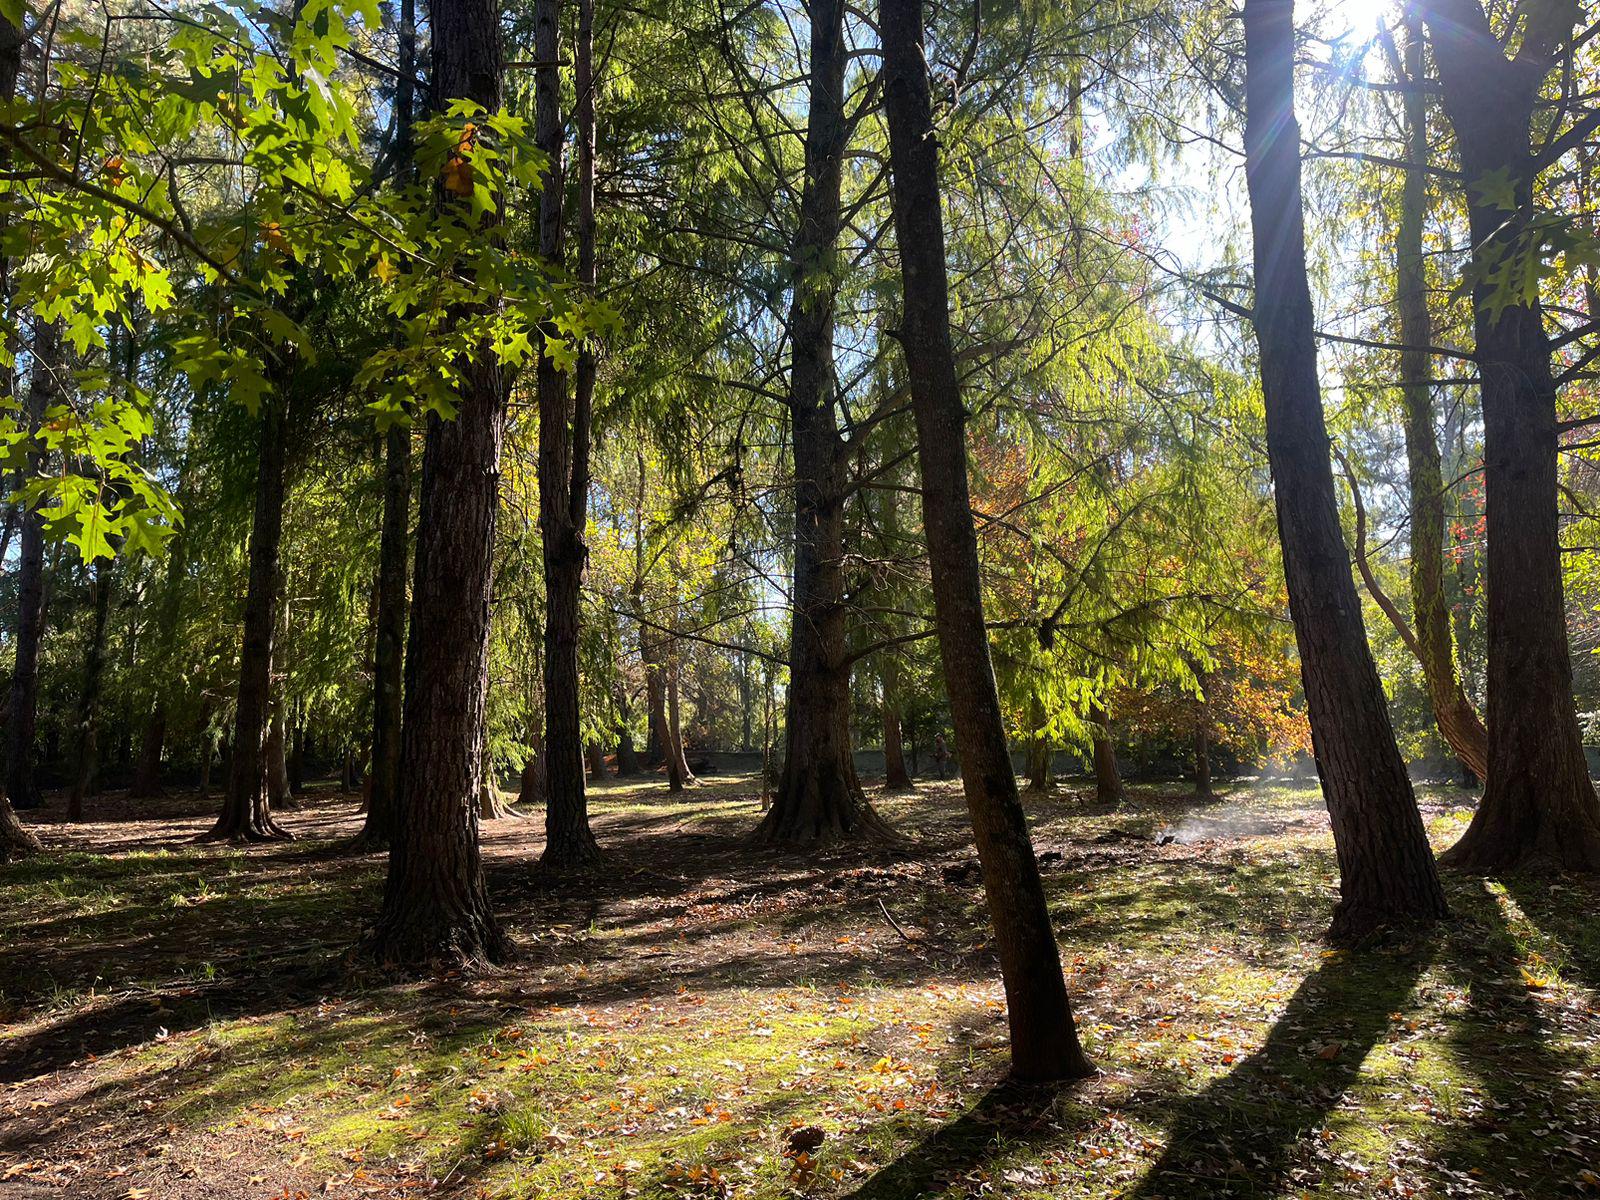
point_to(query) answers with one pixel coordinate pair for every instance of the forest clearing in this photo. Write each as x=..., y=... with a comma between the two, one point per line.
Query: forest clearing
x=681, y=1024
x=799, y=598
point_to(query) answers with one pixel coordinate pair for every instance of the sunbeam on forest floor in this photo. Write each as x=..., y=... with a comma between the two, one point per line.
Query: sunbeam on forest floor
x=700, y=1020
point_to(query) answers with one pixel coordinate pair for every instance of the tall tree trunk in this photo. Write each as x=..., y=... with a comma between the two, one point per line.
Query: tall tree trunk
x=1107, y=779
x=675, y=717
x=87, y=731
x=246, y=809
x=1538, y=801
x=13, y=512
x=152, y=747
x=895, y=776
x=746, y=699
x=280, y=792
x=670, y=750
x=208, y=750
x=297, y=761
x=564, y=447
x=1202, y=761
x=1387, y=870
x=627, y=756
x=819, y=797
x=435, y=905
x=394, y=538
x=1457, y=719
x=597, y=762
x=532, y=793
x=1038, y=750
x=388, y=696
x=15, y=841
x=1044, y=1043
x=44, y=390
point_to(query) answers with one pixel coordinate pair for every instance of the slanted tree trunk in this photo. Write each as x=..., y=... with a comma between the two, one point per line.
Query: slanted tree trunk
x=44, y=390
x=1107, y=779
x=87, y=731
x=1044, y=1043
x=1387, y=870
x=564, y=431
x=661, y=732
x=435, y=905
x=1457, y=719
x=1538, y=802
x=819, y=797
x=246, y=808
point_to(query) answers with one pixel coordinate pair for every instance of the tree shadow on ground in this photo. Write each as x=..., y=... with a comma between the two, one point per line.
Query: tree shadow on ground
x=1531, y=1123
x=1566, y=910
x=1237, y=1137
x=1240, y=1135
x=1010, y=1115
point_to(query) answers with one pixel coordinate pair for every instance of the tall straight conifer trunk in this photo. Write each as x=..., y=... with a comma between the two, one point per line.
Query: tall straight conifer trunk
x=246, y=814
x=15, y=841
x=1044, y=1042
x=394, y=537
x=44, y=389
x=564, y=432
x=819, y=797
x=1538, y=802
x=435, y=905
x=1387, y=872
x=1107, y=779
x=87, y=733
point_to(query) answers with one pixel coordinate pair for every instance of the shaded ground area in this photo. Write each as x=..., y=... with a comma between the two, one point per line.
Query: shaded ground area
x=703, y=1020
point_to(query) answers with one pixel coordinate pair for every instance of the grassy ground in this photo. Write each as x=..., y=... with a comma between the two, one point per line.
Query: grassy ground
x=699, y=1020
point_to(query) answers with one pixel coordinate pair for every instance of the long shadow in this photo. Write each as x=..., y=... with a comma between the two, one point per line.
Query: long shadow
x=1533, y=1120
x=1007, y=1115
x=1569, y=917
x=1239, y=1136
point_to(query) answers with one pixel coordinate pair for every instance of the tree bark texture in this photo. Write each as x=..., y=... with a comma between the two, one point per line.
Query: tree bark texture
x=1386, y=867
x=564, y=422
x=87, y=731
x=246, y=814
x=819, y=798
x=44, y=390
x=1044, y=1042
x=1538, y=801
x=435, y=905
x=1457, y=719
x=1107, y=779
